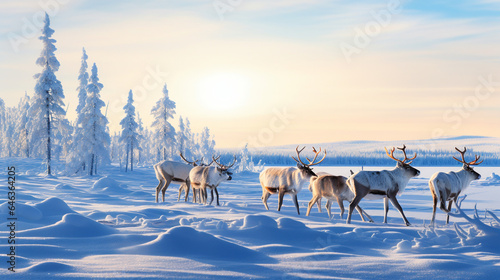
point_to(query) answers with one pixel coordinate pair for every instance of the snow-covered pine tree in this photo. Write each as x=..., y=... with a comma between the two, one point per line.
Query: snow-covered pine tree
x=94, y=125
x=162, y=112
x=76, y=159
x=142, y=151
x=182, y=140
x=206, y=145
x=129, y=136
x=22, y=143
x=47, y=106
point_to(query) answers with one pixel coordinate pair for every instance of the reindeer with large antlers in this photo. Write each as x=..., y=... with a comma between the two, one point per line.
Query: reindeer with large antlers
x=448, y=186
x=384, y=184
x=203, y=177
x=172, y=171
x=288, y=180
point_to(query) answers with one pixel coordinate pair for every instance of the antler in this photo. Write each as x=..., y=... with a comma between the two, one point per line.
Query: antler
x=403, y=149
x=298, y=155
x=406, y=158
x=222, y=166
x=184, y=159
x=474, y=162
x=311, y=162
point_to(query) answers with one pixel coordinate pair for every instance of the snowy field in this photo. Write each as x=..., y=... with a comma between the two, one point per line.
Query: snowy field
x=81, y=228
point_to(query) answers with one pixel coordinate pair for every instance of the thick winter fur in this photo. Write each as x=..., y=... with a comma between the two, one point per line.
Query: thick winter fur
x=287, y=180
x=448, y=186
x=168, y=171
x=332, y=188
x=203, y=177
x=384, y=184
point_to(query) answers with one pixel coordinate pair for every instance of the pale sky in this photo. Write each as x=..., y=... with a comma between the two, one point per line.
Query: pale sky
x=275, y=72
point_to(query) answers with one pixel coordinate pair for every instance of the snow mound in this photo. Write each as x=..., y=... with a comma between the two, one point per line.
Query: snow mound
x=258, y=221
x=107, y=184
x=53, y=206
x=287, y=223
x=187, y=242
x=23, y=211
x=72, y=225
x=52, y=267
x=63, y=186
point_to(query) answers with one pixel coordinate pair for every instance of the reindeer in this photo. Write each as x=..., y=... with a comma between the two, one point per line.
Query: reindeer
x=384, y=184
x=167, y=171
x=184, y=186
x=203, y=177
x=288, y=180
x=448, y=186
x=332, y=187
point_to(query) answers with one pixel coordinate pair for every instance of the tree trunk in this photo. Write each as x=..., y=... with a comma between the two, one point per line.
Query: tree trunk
x=91, y=169
x=126, y=158
x=132, y=156
x=47, y=112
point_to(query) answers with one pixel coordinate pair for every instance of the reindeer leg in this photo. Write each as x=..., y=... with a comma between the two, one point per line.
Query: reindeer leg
x=188, y=184
x=341, y=206
x=294, y=197
x=265, y=196
x=181, y=187
x=217, y=193
x=319, y=205
x=366, y=214
x=329, y=208
x=360, y=211
x=281, y=194
x=165, y=187
x=396, y=204
x=212, y=194
x=353, y=205
x=434, y=205
x=311, y=203
x=158, y=188
x=386, y=209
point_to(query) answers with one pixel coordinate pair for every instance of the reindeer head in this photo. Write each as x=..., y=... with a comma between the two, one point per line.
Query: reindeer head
x=222, y=170
x=306, y=168
x=405, y=163
x=467, y=165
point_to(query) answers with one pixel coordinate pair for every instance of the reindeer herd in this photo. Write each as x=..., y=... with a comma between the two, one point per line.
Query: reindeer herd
x=384, y=184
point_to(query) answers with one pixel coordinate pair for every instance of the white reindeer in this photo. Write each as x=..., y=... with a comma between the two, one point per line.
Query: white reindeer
x=184, y=186
x=203, y=177
x=384, y=184
x=287, y=180
x=448, y=186
x=332, y=187
x=172, y=171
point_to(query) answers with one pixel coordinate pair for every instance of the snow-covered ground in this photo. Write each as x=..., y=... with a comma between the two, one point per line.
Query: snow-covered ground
x=79, y=227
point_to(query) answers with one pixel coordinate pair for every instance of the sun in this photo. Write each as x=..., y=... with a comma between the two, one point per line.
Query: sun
x=223, y=91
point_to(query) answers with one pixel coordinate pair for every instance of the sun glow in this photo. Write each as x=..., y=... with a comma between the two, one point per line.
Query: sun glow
x=224, y=91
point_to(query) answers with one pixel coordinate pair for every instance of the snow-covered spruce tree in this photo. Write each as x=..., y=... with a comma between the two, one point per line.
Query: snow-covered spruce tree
x=206, y=145
x=7, y=140
x=162, y=112
x=129, y=136
x=46, y=110
x=182, y=140
x=143, y=151
x=22, y=128
x=246, y=162
x=76, y=160
x=96, y=139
